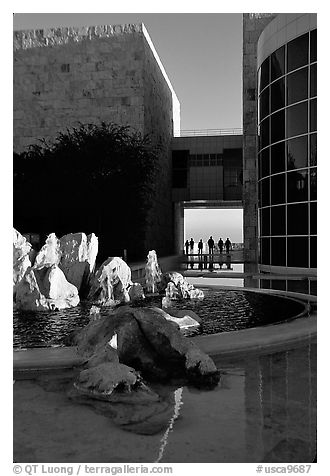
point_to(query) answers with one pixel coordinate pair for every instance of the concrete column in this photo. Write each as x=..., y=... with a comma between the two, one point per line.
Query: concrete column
x=178, y=228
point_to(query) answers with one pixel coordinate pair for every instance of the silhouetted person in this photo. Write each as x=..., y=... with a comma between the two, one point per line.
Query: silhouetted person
x=228, y=245
x=191, y=245
x=220, y=245
x=186, y=245
x=211, y=245
x=228, y=261
x=200, y=246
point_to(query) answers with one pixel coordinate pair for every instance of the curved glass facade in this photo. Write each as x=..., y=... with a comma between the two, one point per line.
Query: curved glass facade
x=287, y=155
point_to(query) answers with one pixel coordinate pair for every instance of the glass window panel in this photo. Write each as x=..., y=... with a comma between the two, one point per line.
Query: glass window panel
x=278, y=220
x=313, y=116
x=278, y=95
x=265, y=251
x=296, y=119
x=277, y=63
x=313, y=79
x=298, y=219
x=313, y=252
x=264, y=184
x=313, y=218
x=297, y=86
x=264, y=74
x=313, y=46
x=264, y=103
x=313, y=149
x=279, y=284
x=297, y=250
x=297, y=150
x=278, y=189
x=313, y=184
x=264, y=133
x=278, y=157
x=297, y=186
x=264, y=163
x=265, y=283
x=278, y=251
x=298, y=52
x=298, y=285
x=278, y=126
x=313, y=282
x=265, y=222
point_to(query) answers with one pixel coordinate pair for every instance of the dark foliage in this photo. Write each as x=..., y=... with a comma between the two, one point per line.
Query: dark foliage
x=94, y=178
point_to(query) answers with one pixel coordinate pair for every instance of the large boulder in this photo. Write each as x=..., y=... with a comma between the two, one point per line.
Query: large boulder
x=45, y=289
x=21, y=258
x=149, y=342
x=184, y=320
x=50, y=253
x=176, y=286
x=78, y=255
x=110, y=284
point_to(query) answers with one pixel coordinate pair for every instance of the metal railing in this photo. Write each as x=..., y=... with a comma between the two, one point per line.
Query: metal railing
x=209, y=132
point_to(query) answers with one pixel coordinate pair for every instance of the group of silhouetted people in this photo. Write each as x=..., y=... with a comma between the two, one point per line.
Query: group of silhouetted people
x=211, y=244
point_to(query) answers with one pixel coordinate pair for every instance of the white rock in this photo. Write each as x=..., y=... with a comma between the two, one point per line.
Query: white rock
x=45, y=289
x=78, y=255
x=21, y=259
x=49, y=254
x=183, y=322
x=111, y=282
x=153, y=272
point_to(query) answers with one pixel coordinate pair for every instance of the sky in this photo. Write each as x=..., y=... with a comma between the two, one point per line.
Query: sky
x=201, y=223
x=201, y=54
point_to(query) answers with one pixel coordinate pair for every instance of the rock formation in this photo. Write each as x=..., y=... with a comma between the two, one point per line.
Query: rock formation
x=78, y=255
x=49, y=254
x=153, y=272
x=110, y=285
x=21, y=259
x=45, y=289
x=150, y=343
x=176, y=286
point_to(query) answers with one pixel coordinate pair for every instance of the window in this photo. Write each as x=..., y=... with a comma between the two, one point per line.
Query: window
x=313, y=252
x=277, y=63
x=297, y=252
x=278, y=247
x=313, y=218
x=313, y=80
x=298, y=219
x=313, y=55
x=278, y=220
x=297, y=119
x=313, y=115
x=298, y=52
x=278, y=94
x=265, y=251
x=278, y=157
x=264, y=163
x=264, y=104
x=297, y=186
x=264, y=133
x=264, y=185
x=313, y=149
x=278, y=189
x=297, y=86
x=264, y=74
x=313, y=184
x=265, y=221
x=278, y=126
x=297, y=151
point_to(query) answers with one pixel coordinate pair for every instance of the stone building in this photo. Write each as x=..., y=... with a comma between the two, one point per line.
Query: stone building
x=67, y=76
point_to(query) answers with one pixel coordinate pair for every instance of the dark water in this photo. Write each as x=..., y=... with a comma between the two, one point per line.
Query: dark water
x=220, y=311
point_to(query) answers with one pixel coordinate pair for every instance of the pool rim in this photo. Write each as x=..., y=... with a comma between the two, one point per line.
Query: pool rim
x=270, y=338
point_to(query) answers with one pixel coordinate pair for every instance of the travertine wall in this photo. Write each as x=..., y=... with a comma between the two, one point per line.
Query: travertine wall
x=67, y=76
x=253, y=24
x=83, y=75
